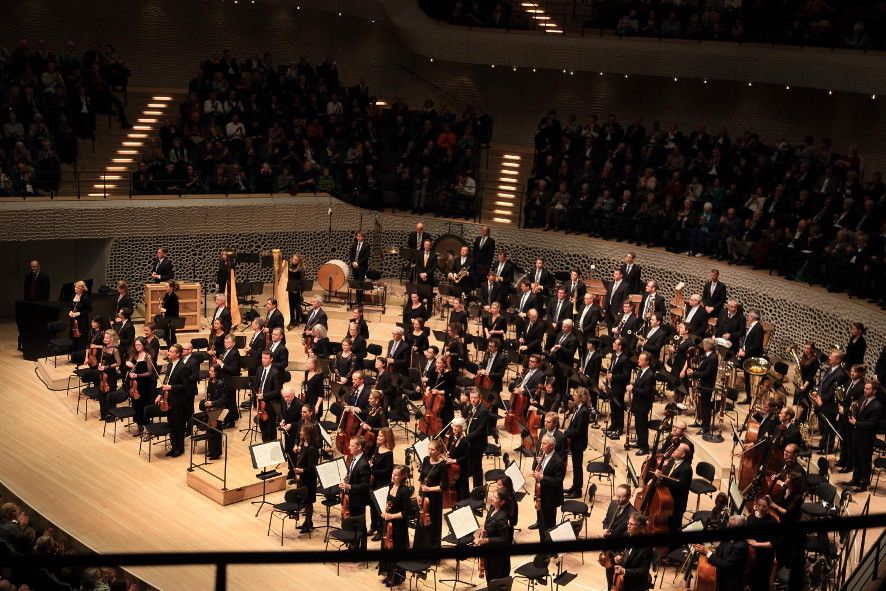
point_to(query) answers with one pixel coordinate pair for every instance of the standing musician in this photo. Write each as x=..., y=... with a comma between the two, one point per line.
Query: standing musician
x=615, y=297
x=396, y=515
x=313, y=389
x=279, y=352
x=562, y=349
x=81, y=308
x=461, y=270
x=677, y=474
x=375, y=417
x=809, y=366
x=477, y=434
x=503, y=269
x=730, y=325
x=315, y=316
x=169, y=309
x=788, y=506
x=321, y=346
x=427, y=262
x=696, y=318
x=357, y=318
x=193, y=363
x=577, y=436
x=640, y=396
x=678, y=437
x=619, y=377
x=866, y=421
x=551, y=426
x=95, y=343
x=454, y=349
x=854, y=393
x=308, y=455
x=751, y=346
x=256, y=344
x=653, y=302
x=175, y=386
x=229, y=362
x=216, y=341
x=358, y=259
x=109, y=365
x=266, y=388
x=549, y=472
x=713, y=295
x=575, y=288
x=484, y=250
x=497, y=530
x=706, y=374
x=654, y=339
x=415, y=308
x=357, y=340
x=153, y=341
x=36, y=287
x=495, y=326
x=123, y=299
x=559, y=309
x=144, y=372
x=628, y=326
x=530, y=334
x=214, y=399
x=588, y=317
x=444, y=383
x=526, y=300
x=492, y=292
x=357, y=402
x=399, y=353
x=290, y=423
x=356, y=483
x=632, y=273
x=223, y=274
x=274, y=317
x=222, y=312
x=589, y=365
x=418, y=238
x=635, y=562
x=532, y=377
x=381, y=465
x=458, y=314
x=764, y=553
x=294, y=276
x=542, y=280
x=162, y=267
x=729, y=558
x=615, y=524
x=344, y=364
x=494, y=365
x=433, y=482
x=680, y=345
x=857, y=345
x=826, y=402
x=458, y=453
x=125, y=329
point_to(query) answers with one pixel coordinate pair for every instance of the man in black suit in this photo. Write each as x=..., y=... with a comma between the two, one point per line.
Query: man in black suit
x=589, y=364
x=491, y=291
x=427, y=262
x=540, y=278
x=267, y=385
x=854, y=393
x=192, y=362
x=619, y=376
x=575, y=288
x=532, y=377
x=484, y=250
x=229, y=362
x=615, y=522
x=577, y=435
x=653, y=302
x=274, y=317
x=615, y=296
x=175, y=388
x=531, y=334
x=635, y=562
x=417, y=239
x=696, y=319
x=867, y=421
x=631, y=273
x=751, y=346
x=503, y=268
x=559, y=309
x=729, y=558
x=161, y=267
x=477, y=435
x=398, y=352
x=356, y=484
x=123, y=299
x=561, y=350
x=588, y=317
x=463, y=266
x=826, y=402
x=290, y=423
x=713, y=296
x=494, y=365
x=676, y=474
x=36, y=284
x=730, y=325
x=316, y=316
x=655, y=338
x=706, y=374
x=627, y=325
x=255, y=343
x=358, y=259
x=549, y=471
x=551, y=427
x=525, y=299
x=279, y=352
x=222, y=312
x=125, y=329
x=641, y=394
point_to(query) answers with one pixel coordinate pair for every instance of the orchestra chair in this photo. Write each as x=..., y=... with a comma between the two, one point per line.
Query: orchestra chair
x=373, y=349
x=574, y=509
x=86, y=394
x=351, y=536
x=704, y=484
x=58, y=345
x=157, y=430
x=824, y=473
x=879, y=467
x=78, y=358
x=331, y=499
x=290, y=508
x=119, y=413
x=418, y=569
x=602, y=469
x=534, y=572
x=826, y=493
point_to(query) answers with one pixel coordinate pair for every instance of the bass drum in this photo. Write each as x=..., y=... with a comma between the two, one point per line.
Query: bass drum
x=448, y=248
x=333, y=275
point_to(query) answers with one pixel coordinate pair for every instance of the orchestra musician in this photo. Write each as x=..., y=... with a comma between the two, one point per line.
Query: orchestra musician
x=458, y=454
x=162, y=269
x=381, y=466
x=315, y=316
x=458, y=314
x=193, y=363
x=266, y=387
x=454, y=349
x=575, y=288
x=562, y=349
x=279, y=352
x=399, y=353
x=549, y=471
x=444, y=383
x=357, y=401
x=706, y=375
x=358, y=259
x=677, y=476
x=255, y=345
x=713, y=295
x=484, y=250
x=229, y=362
x=417, y=339
x=640, y=396
x=321, y=346
x=788, y=506
x=619, y=376
x=505, y=486
x=214, y=399
x=866, y=422
x=653, y=302
x=358, y=341
x=125, y=329
x=415, y=309
x=589, y=366
x=696, y=318
x=680, y=345
x=503, y=269
x=530, y=334
x=616, y=295
x=542, y=280
x=526, y=300
x=109, y=364
x=764, y=552
x=589, y=316
x=123, y=298
x=143, y=370
x=635, y=562
x=36, y=288
x=175, y=386
x=854, y=393
x=559, y=309
x=217, y=335
x=551, y=426
x=497, y=530
x=312, y=385
x=344, y=364
x=809, y=366
x=308, y=456
x=826, y=402
x=169, y=308
x=730, y=324
x=751, y=346
x=294, y=276
x=427, y=262
x=678, y=437
x=81, y=308
x=290, y=424
x=492, y=291
x=495, y=325
x=857, y=345
x=494, y=365
x=628, y=326
x=222, y=312
x=273, y=317
x=356, y=482
x=433, y=482
x=396, y=513
x=729, y=558
x=577, y=436
x=654, y=339
x=615, y=522
x=461, y=270
x=153, y=341
x=477, y=434
x=418, y=238
x=223, y=274
x=532, y=377
x=631, y=272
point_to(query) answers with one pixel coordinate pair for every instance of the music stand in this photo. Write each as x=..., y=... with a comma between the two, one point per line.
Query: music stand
x=164, y=324
x=264, y=455
x=410, y=255
x=358, y=286
x=462, y=524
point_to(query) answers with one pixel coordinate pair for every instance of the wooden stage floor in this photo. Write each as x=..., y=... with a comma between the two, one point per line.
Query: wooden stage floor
x=113, y=500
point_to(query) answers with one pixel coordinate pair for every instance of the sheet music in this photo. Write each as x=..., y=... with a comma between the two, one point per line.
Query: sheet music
x=735, y=495
x=332, y=473
x=562, y=533
x=421, y=448
x=696, y=525
x=513, y=471
x=326, y=437
x=266, y=454
x=632, y=474
x=462, y=522
x=380, y=496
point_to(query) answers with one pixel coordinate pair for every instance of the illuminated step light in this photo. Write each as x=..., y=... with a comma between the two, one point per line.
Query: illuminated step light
x=502, y=187
x=506, y=195
x=511, y=164
x=505, y=179
x=98, y=194
x=132, y=152
x=535, y=12
x=501, y=220
x=137, y=136
x=147, y=120
x=105, y=186
x=115, y=168
x=504, y=203
x=122, y=159
x=547, y=25
x=509, y=171
x=528, y=4
x=156, y=105
x=501, y=211
x=161, y=98
x=133, y=143
x=109, y=177
x=539, y=17
x=152, y=112
x=553, y=31
x=381, y=103
x=512, y=157
x=142, y=127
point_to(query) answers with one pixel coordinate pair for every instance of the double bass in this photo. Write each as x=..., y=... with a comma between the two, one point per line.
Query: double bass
x=517, y=410
x=434, y=401
x=348, y=426
x=654, y=500
x=453, y=472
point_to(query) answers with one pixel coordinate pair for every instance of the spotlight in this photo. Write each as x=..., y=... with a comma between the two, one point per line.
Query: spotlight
x=533, y=69
x=492, y=65
x=601, y=73
x=431, y=60
x=514, y=68
x=750, y=83
x=572, y=72
x=564, y=70
x=787, y=87
x=873, y=97
x=830, y=92
x=675, y=78
x=626, y=75
x=705, y=81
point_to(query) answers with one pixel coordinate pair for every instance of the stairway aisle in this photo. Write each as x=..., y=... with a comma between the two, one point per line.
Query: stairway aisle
x=504, y=182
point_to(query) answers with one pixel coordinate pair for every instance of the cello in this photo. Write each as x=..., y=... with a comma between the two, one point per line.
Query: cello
x=519, y=404
x=434, y=401
x=654, y=500
x=453, y=472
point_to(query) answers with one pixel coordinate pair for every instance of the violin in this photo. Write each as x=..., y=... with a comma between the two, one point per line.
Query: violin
x=346, y=497
x=105, y=386
x=133, y=389
x=537, y=497
x=164, y=402
x=91, y=358
x=75, y=328
x=388, y=541
x=482, y=563
x=262, y=411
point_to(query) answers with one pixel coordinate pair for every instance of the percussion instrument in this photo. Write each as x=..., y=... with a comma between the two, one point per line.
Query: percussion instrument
x=448, y=248
x=333, y=275
x=725, y=343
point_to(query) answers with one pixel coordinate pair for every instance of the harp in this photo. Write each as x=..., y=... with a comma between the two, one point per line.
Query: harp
x=281, y=280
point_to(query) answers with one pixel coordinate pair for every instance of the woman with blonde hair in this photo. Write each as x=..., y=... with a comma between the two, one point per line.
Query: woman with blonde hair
x=81, y=308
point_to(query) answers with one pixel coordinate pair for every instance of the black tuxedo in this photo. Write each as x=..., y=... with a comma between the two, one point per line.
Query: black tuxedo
x=553, y=317
x=551, y=493
x=629, y=329
x=274, y=319
x=619, y=377
x=642, y=395
x=617, y=521
x=590, y=364
x=291, y=415
x=706, y=374
x=636, y=563
x=179, y=378
x=164, y=269
x=568, y=346
x=577, y=434
x=256, y=346
x=576, y=290
x=532, y=337
x=224, y=315
x=230, y=368
x=734, y=327
x=123, y=302
x=586, y=323
x=477, y=436
x=752, y=341
x=279, y=357
x=315, y=317
x=467, y=282
x=362, y=260
x=698, y=324
x=271, y=392
x=506, y=272
x=483, y=255
x=127, y=336
x=657, y=305
x=542, y=277
x=413, y=241
x=615, y=297
x=401, y=356
x=632, y=278
x=854, y=392
x=531, y=301
x=679, y=488
x=827, y=391
x=495, y=294
x=193, y=364
x=497, y=370
x=532, y=381
x=36, y=288
x=716, y=300
x=426, y=267
x=654, y=343
x=867, y=425
x=730, y=558
x=358, y=477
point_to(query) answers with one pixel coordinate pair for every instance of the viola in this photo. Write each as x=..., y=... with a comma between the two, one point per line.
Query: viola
x=133, y=389
x=105, y=386
x=537, y=497
x=164, y=402
x=482, y=563
x=75, y=328
x=262, y=411
x=388, y=542
x=91, y=357
x=425, y=511
x=517, y=412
